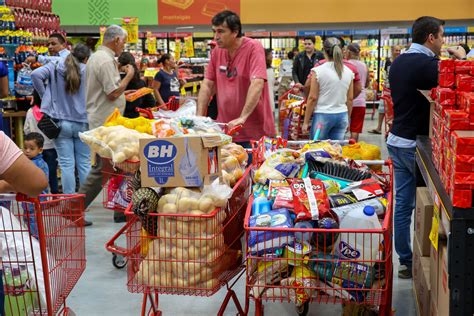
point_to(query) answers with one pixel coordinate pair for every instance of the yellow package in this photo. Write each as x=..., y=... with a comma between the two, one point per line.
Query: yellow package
x=362, y=151
x=144, y=242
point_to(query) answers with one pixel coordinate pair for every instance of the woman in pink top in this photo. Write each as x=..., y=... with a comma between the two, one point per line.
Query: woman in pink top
x=358, y=104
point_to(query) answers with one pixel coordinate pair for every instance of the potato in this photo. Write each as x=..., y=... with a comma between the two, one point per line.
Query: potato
x=196, y=213
x=210, y=284
x=183, y=228
x=169, y=208
x=213, y=255
x=194, y=203
x=119, y=157
x=206, y=204
x=177, y=268
x=161, y=202
x=182, y=243
x=194, y=279
x=162, y=266
x=231, y=163
x=143, y=273
x=171, y=198
x=180, y=253
x=166, y=227
x=163, y=279
x=184, y=205
x=206, y=274
x=193, y=268
x=180, y=283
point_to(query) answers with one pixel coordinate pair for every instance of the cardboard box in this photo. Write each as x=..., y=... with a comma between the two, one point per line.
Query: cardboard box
x=443, y=280
x=423, y=219
x=421, y=279
x=180, y=161
x=434, y=274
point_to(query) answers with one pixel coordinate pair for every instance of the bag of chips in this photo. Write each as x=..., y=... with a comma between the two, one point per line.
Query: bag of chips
x=311, y=201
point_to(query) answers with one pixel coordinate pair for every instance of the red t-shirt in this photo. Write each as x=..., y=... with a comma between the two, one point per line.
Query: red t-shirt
x=232, y=79
x=346, y=63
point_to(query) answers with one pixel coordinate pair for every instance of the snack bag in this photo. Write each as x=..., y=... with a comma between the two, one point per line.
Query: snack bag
x=138, y=94
x=282, y=164
x=299, y=285
x=311, y=201
x=280, y=192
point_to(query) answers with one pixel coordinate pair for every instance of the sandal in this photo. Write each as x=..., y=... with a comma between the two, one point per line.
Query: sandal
x=374, y=131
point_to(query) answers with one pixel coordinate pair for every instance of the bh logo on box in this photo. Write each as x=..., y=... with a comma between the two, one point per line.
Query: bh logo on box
x=160, y=156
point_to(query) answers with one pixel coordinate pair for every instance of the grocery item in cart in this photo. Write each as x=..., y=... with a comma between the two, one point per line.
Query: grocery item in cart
x=282, y=164
x=379, y=204
x=281, y=195
x=357, y=246
x=362, y=151
x=140, y=124
x=311, y=201
x=337, y=171
x=261, y=242
x=234, y=161
x=327, y=239
x=297, y=253
x=145, y=201
x=21, y=297
x=115, y=142
x=261, y=205
x=321, y=150
x=300, y=285
x=356, y=192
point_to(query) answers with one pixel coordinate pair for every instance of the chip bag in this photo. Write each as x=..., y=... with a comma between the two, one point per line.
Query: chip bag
x=311, y=201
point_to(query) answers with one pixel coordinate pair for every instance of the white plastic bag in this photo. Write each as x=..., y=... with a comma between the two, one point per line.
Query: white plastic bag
x=188, y=108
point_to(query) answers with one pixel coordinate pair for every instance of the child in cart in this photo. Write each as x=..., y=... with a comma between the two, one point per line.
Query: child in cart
x=33, y=149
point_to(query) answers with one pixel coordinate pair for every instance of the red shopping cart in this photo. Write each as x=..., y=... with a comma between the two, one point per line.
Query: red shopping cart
x=332, y=280
x=43, y=243
x=192, y=255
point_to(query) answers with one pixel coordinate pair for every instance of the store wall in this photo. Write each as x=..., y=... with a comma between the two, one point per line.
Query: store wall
x=197, y=12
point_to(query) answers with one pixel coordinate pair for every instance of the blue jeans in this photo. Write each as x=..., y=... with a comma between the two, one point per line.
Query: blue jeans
x=51, y=158
x=404, y=167
x=72, y=153
x=333, y=126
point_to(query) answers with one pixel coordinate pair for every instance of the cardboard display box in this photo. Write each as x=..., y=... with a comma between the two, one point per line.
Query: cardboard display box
x=443, y=281
x=421, y=282
x=180, y=161
x=423, y=219
x=434, y=274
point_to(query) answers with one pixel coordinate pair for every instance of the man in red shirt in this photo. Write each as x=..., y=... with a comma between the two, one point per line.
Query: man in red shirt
x=237, y=72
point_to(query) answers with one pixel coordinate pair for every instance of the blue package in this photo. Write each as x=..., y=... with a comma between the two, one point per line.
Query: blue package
x=261, y=242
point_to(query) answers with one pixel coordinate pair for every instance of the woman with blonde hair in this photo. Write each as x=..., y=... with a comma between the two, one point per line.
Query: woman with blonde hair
x=330, y=96
x=61, y=85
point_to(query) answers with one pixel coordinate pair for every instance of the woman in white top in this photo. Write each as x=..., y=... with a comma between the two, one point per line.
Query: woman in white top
x=270, y=77
x=330, y=95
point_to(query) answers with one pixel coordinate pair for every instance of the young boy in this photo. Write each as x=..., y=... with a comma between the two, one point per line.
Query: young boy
x=33, y=150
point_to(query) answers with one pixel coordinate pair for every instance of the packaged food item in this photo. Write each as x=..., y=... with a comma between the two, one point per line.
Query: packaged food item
x=365, y=189
x=304, y=236
x=332, y=187
x=446, y=80
x=261, y=242
x=259, y=189
x=446, y=66
x=131, y=97
x=446, y=96
x=281, y=194
x=322, y=150
x=464, y=82
x=300, y=285
x=327, y=239
x=341, y=199
x=311, y=201
x=297, y=253
x=282, y=164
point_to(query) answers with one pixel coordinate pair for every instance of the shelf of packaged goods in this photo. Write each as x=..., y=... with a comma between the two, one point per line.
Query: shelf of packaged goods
x=460, y=235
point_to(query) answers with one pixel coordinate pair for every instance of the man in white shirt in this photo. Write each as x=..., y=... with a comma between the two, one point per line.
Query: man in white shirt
x=57, y=49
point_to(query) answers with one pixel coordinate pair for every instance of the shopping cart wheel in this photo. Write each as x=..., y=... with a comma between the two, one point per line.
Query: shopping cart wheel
x=303, y=309
x=119, y=261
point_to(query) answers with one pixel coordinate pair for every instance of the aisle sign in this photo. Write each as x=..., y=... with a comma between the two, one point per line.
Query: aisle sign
x=455, y=29
x=151, y=43
x=151, y=72
x=310, y=33
x=189, y=46
x=203, y=35
x=394, y=31
x=177, y=49
x=366, y=32
x=131, y=26
x=470, y=29
x=102, y=30
x=338, y=32
x=434, y=234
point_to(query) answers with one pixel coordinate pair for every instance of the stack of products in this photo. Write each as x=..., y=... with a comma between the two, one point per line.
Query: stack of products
x=453, y=129
x=300, y=196
x=291, y=117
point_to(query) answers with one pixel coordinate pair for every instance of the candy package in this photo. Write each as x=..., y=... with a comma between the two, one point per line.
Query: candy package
x=311, y=201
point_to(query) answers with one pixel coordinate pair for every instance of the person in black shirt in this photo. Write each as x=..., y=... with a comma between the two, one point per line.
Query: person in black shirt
x=146, y=101
x=305, y=61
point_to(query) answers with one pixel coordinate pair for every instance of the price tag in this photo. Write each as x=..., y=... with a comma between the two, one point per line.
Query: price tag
x=189, y=46
x=434, y=235
x=177, y=49
x=151, y=72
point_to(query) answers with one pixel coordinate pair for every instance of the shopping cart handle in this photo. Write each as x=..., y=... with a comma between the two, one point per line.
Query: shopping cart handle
x=234, y=130
x=146, y=112
x=112, y=247
x=20, y=197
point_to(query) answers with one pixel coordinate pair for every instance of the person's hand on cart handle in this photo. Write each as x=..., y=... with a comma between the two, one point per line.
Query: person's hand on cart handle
x=234, y=123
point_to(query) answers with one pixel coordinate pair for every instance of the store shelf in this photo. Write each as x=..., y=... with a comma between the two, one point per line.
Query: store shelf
x=460, y=236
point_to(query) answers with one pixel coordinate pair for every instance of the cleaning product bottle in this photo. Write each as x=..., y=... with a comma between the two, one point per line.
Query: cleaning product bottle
x=261, y=205
x=360, y=246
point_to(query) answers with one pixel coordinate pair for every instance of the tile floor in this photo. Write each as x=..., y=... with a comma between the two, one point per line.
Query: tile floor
x=102, y=289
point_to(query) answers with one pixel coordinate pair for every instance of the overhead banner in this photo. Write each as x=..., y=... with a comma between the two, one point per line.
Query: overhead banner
x=179, y=12
x=131, y=26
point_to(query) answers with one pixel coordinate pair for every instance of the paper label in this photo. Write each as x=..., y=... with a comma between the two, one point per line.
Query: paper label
x=313, y=204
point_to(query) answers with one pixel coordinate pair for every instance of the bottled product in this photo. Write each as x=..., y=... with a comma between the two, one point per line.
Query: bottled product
x=303, y=236
x=379, y=204
x=261, y=205
x=19, y=297
x=24, y=85
x=360, y=246
x=325, y=240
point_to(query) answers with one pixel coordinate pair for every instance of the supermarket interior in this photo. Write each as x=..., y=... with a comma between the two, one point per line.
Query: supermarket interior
x=235, y=157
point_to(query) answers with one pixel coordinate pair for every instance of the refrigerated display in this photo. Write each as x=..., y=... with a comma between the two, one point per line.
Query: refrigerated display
x=262, y=37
